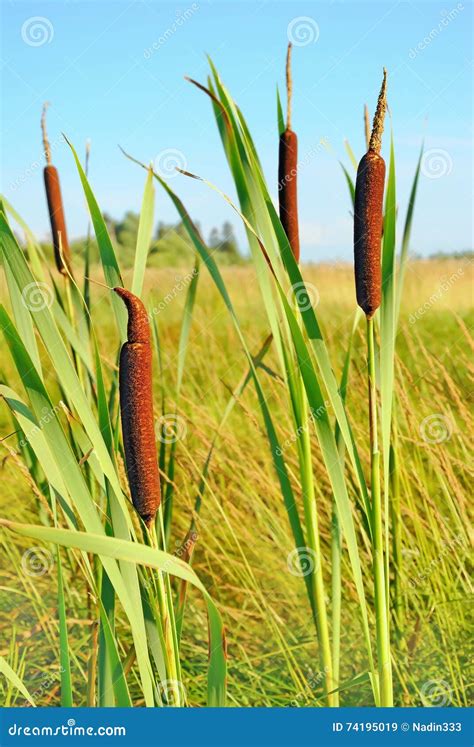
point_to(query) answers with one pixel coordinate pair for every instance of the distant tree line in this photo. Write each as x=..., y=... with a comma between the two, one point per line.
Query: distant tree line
x=171, y=235
x=170, y=245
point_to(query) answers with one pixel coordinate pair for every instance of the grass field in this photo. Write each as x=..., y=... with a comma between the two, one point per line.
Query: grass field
x=244, y=547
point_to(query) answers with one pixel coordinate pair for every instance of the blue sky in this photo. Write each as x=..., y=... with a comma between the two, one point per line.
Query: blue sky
x=113, y=72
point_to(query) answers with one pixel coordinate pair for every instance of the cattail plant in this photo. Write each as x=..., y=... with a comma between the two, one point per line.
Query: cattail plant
x=62, y=253
x=287, y=171
x=368, y=223
x=368, y=215
x=288, y=204
x=136, y=406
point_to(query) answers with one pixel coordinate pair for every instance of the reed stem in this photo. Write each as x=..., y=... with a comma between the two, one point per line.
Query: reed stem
x=397, y=595
x=171, y=654
x=380, y=590
x=312, y=540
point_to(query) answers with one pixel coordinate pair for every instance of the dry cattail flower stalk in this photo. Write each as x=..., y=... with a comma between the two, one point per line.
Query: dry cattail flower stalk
x=287, y=172
x=368, y=214
x=136, y=407
x=62, y=254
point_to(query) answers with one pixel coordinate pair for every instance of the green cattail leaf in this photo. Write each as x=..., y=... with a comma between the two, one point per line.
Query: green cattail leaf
x=406, y=236
x=182, y=350
x=107, y=254
x=186, y=325
x=12, y=677
x=36, y=255
x=280, y=115
x=22, y=318
x=145, y=228
x=388, y=313
x=351, y=155
x=72, y=337
x=350, y=183
x=66, y=684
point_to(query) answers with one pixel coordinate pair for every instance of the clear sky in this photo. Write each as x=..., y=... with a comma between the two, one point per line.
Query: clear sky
x=113, y=72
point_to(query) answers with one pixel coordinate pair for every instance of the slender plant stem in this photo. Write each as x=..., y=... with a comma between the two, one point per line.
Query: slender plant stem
x=381, y=606
x=336, y=595
x=312, y=540
x=397, y=596
x=173, y=688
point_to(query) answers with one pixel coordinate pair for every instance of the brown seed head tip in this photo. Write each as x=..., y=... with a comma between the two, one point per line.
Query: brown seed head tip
x=138, y=328
x=289, y=86
x=375, y=143
x=46, y=145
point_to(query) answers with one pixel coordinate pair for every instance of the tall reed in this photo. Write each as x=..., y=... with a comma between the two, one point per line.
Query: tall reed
x=288, y=209
x=368, y=223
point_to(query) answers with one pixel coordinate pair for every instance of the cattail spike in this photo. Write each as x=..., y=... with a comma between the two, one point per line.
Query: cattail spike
x=287, y=172
x=46, y=145
x=368, y=215
x=375, y=143
x=138, y=329
x=136, y=410
x=62, y=252
x=289, y=86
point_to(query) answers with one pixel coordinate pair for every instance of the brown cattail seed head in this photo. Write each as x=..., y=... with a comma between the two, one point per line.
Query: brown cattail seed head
x=287, y=188
x=287, y=172
x=62, y=253
x=136, y=409
x=368, y=216
x=368, y=220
